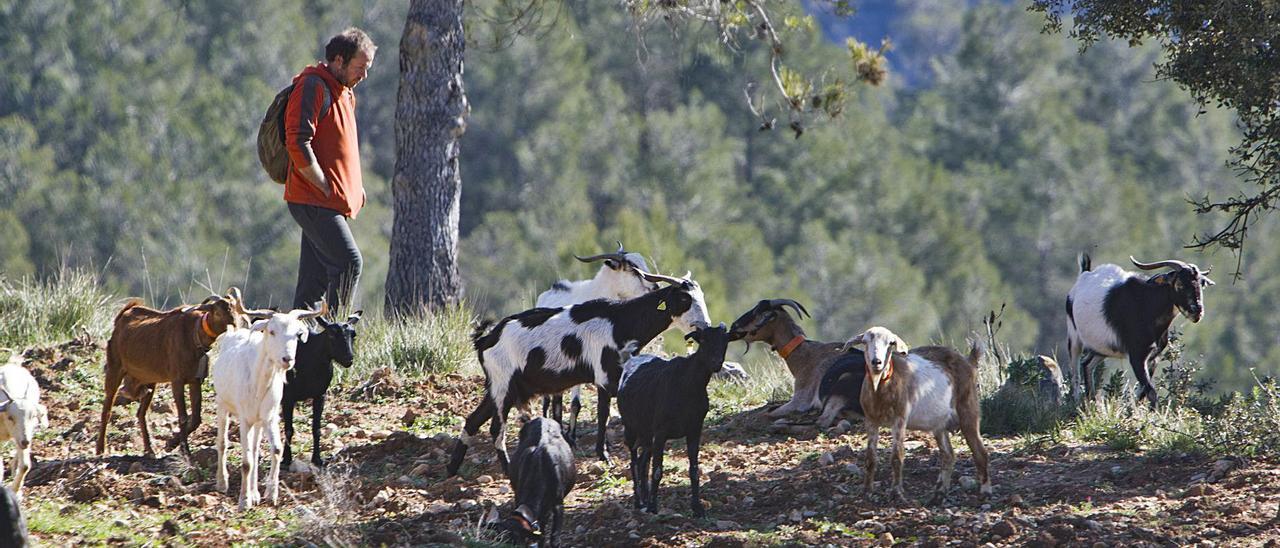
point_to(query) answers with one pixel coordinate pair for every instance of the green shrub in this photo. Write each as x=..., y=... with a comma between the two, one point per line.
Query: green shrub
x=53, y=310
x=415, y=346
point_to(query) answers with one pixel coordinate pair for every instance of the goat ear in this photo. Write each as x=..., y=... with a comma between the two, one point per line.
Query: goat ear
x=857, y=340
x=612, y=264
x=302, y=337
x=901, y=345
x=354, y=317
x=259, y=326
x=324, y=324
x=1161, y=279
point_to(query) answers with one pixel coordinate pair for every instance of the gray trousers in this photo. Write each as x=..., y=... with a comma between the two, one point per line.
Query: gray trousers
x=330, y=263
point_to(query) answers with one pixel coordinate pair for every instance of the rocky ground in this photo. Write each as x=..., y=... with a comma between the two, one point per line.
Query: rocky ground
x=764, y=483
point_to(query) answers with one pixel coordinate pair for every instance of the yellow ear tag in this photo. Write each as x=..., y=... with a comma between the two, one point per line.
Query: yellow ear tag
x=662, y=305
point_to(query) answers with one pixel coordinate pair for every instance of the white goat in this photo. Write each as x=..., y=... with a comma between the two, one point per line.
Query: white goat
x=248, y=376
x=20, y=414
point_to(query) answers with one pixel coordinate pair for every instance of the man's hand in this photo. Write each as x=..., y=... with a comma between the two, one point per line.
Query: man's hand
x=316, y=177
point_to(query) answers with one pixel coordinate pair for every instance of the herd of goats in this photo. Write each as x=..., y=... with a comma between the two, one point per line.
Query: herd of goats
x=590, y=332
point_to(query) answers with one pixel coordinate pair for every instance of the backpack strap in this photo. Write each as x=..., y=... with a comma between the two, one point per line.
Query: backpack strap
x=328, y=101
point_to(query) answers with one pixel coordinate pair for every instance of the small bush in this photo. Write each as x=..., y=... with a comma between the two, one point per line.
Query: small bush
x=1123, y=425
x=57, y=309
x=415, y=346
x=1247, y=425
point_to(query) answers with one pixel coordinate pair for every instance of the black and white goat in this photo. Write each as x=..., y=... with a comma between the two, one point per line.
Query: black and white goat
x=542, y=473
x=548, y=350
x=667, y=399
x=618, y=279
x=1112, y=312
x=310, y=377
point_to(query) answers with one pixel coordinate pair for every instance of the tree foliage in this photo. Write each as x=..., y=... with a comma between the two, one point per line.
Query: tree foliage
x=1225, y=54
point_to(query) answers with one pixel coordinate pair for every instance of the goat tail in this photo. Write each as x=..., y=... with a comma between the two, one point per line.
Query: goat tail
x=976, y=351
x=1086, y=264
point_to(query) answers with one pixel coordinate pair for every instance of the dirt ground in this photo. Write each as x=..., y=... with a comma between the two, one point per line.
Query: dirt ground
x=764, y=483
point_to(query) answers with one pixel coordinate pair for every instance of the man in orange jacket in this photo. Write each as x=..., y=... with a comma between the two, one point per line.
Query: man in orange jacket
x=324, y=188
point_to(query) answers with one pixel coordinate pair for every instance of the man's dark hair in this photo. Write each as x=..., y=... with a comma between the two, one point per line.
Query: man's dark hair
x=345, y=44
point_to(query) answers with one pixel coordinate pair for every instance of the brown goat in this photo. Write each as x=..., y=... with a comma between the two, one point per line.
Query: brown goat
x=807, y=360
x=931, y=389
x=150, y=346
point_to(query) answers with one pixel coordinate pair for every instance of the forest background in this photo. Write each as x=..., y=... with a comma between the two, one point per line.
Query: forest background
x=969, y=181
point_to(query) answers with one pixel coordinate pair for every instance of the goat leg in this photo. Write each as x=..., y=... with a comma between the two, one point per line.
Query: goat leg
x=899, y=456
x=602, y=423
x=574, y=408
x=194, y=418
x=655, y=476
x=475, y=420
x=144, y=404
x=286, y=416
x=692, y=443
x=873, y=439
x=947, y=455
x=499, y=430
x=179, y=401
x=317, y=412
x=114, y=375
x=224, y=422
x=637, y=474
x=1139, y=361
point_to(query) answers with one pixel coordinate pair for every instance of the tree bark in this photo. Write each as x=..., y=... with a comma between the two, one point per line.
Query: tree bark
x=431, y=111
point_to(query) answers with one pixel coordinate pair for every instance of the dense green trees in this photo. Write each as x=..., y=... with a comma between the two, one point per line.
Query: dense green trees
x=126, y=144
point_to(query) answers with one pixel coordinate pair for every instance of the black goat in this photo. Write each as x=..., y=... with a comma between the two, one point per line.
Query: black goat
x=841, y=389
x=13, y=526
x=542, y=474
x=311, y=374
x=666, y=399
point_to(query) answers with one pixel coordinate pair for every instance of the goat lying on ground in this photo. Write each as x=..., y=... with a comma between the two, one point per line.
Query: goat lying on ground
x=807, y=360
x=150, y=346
x=542, y=474
x=248, y=377
x=310, y=377
x=667, y=399
x=930, y=389
x=20, y=413
x=618, y=279
x=1113, y=313
x=841, y=388
x=547, y=350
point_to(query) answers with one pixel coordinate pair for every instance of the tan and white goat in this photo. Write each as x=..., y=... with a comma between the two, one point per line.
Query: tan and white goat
x=930, y=389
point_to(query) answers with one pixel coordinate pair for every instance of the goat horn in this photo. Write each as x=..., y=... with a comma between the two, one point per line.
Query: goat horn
x=308, y=314
x=237, y=303
x=799, y=308
x=1167, y=263
x=660, y=278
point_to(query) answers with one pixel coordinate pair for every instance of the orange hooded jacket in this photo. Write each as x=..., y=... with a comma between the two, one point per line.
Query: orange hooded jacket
x=329, y=139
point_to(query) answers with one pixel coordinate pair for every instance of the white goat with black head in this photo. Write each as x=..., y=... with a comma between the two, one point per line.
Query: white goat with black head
x=248, y=377
x=1112, y=313
x=20, y=414
x=618, y=279
x=548, y=350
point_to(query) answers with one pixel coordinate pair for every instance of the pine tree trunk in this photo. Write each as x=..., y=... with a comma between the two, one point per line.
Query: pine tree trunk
x=431, y=111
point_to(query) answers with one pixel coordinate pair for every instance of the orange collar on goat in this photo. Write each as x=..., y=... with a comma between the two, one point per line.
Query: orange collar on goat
x=791, y=346
x=204, y=325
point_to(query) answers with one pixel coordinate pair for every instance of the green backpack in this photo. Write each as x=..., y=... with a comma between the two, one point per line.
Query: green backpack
x=271, y=149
